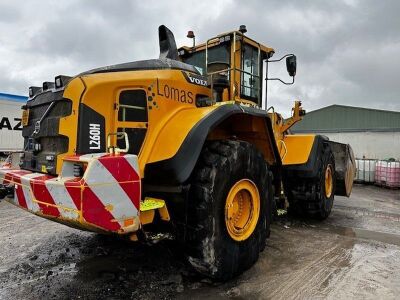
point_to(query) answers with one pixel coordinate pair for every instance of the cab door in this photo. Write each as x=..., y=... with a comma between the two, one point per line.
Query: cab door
x=131, y=117
x=250, y=87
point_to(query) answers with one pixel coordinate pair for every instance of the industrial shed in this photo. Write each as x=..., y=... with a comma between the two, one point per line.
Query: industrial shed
x=372, y=133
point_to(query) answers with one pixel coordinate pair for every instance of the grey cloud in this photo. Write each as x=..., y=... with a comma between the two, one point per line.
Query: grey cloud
x=346, y=49
x=9, y=13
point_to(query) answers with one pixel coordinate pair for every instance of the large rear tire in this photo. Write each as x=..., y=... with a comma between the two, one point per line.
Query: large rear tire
x=229, y=209
x=313, y=197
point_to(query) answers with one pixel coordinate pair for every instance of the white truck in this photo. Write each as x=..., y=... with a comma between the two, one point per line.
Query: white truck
x=10, y=123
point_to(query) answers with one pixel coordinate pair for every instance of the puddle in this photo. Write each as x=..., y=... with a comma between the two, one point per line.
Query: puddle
x=384, y=237
x=372, y=213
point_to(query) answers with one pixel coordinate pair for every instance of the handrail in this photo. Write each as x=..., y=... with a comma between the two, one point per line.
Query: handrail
x=284, y=146
x=132, y=106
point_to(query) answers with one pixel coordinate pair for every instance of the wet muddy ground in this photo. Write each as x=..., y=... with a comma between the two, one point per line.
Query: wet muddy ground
x=353, y=254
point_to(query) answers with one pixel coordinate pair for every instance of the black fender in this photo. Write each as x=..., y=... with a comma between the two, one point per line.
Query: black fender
x=177, y=169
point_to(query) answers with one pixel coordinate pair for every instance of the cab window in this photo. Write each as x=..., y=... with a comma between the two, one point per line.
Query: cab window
x=250, y=78
x=220, y=53
x=132, y=110
x=132, y=106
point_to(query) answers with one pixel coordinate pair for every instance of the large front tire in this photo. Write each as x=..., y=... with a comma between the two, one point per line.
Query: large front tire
x=229, y=209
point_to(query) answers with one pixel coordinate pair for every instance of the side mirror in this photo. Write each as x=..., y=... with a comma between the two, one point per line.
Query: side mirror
x=291, y=65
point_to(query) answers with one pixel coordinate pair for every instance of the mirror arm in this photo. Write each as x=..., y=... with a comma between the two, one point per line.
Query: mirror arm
x=287, y=83
x=276, y=60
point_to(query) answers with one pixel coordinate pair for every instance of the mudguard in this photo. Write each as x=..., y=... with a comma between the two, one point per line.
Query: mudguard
x=344, y=165
x=309, y=168
x=177, y=169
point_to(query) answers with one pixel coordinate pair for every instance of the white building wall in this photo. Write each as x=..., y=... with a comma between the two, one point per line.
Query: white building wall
x=375, y=145
x=10, y=127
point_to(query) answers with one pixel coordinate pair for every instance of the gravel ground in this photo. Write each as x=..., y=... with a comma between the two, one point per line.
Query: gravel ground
x=355, y=253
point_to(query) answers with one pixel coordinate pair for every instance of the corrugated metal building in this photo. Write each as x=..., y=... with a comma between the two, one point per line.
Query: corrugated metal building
x=372, y=133
x=10, y=122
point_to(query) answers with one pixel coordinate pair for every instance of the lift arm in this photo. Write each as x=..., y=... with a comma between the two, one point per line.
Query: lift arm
x=298, y=113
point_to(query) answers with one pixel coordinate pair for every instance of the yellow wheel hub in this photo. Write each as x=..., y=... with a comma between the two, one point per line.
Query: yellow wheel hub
x=242, y=209
x=328, y=181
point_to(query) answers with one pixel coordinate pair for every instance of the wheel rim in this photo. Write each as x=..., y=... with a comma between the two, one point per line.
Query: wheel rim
x=328, y=181
x=242, y=209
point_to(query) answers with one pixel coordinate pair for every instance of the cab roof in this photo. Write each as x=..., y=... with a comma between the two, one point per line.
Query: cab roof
x=215, y=41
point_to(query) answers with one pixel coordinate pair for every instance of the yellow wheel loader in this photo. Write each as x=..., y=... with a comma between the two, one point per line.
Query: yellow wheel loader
x=178, y=143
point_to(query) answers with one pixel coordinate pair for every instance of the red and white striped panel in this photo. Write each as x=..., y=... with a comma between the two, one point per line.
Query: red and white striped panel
x=6, y=175
x=112, y=191
x=108, y=194
x=27, y=193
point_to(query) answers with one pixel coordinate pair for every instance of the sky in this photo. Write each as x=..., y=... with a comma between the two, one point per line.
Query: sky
x=346, y=49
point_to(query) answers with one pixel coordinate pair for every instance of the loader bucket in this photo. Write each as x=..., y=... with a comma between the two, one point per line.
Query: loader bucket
x=345, y=168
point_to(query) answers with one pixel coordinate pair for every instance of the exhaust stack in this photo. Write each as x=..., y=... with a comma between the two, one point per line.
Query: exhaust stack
x=168, y=47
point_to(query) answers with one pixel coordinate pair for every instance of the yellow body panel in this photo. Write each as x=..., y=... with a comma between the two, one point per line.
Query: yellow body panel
x=172, y=112
x=172, y=132
x=69, y=125
x=295, y=149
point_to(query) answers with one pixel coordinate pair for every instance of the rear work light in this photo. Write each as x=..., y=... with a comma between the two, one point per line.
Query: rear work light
x=34, y=90
x=61, y=80
x=47, y=85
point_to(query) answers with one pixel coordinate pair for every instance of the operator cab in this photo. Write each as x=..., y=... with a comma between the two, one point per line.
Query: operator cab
x=233, y=65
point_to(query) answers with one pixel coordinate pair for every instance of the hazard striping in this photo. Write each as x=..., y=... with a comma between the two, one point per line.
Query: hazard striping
x=109, y=192
x=106, y=196
x=62, y=199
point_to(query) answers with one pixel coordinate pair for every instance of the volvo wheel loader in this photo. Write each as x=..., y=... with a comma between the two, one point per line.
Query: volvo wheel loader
x=178, y=143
